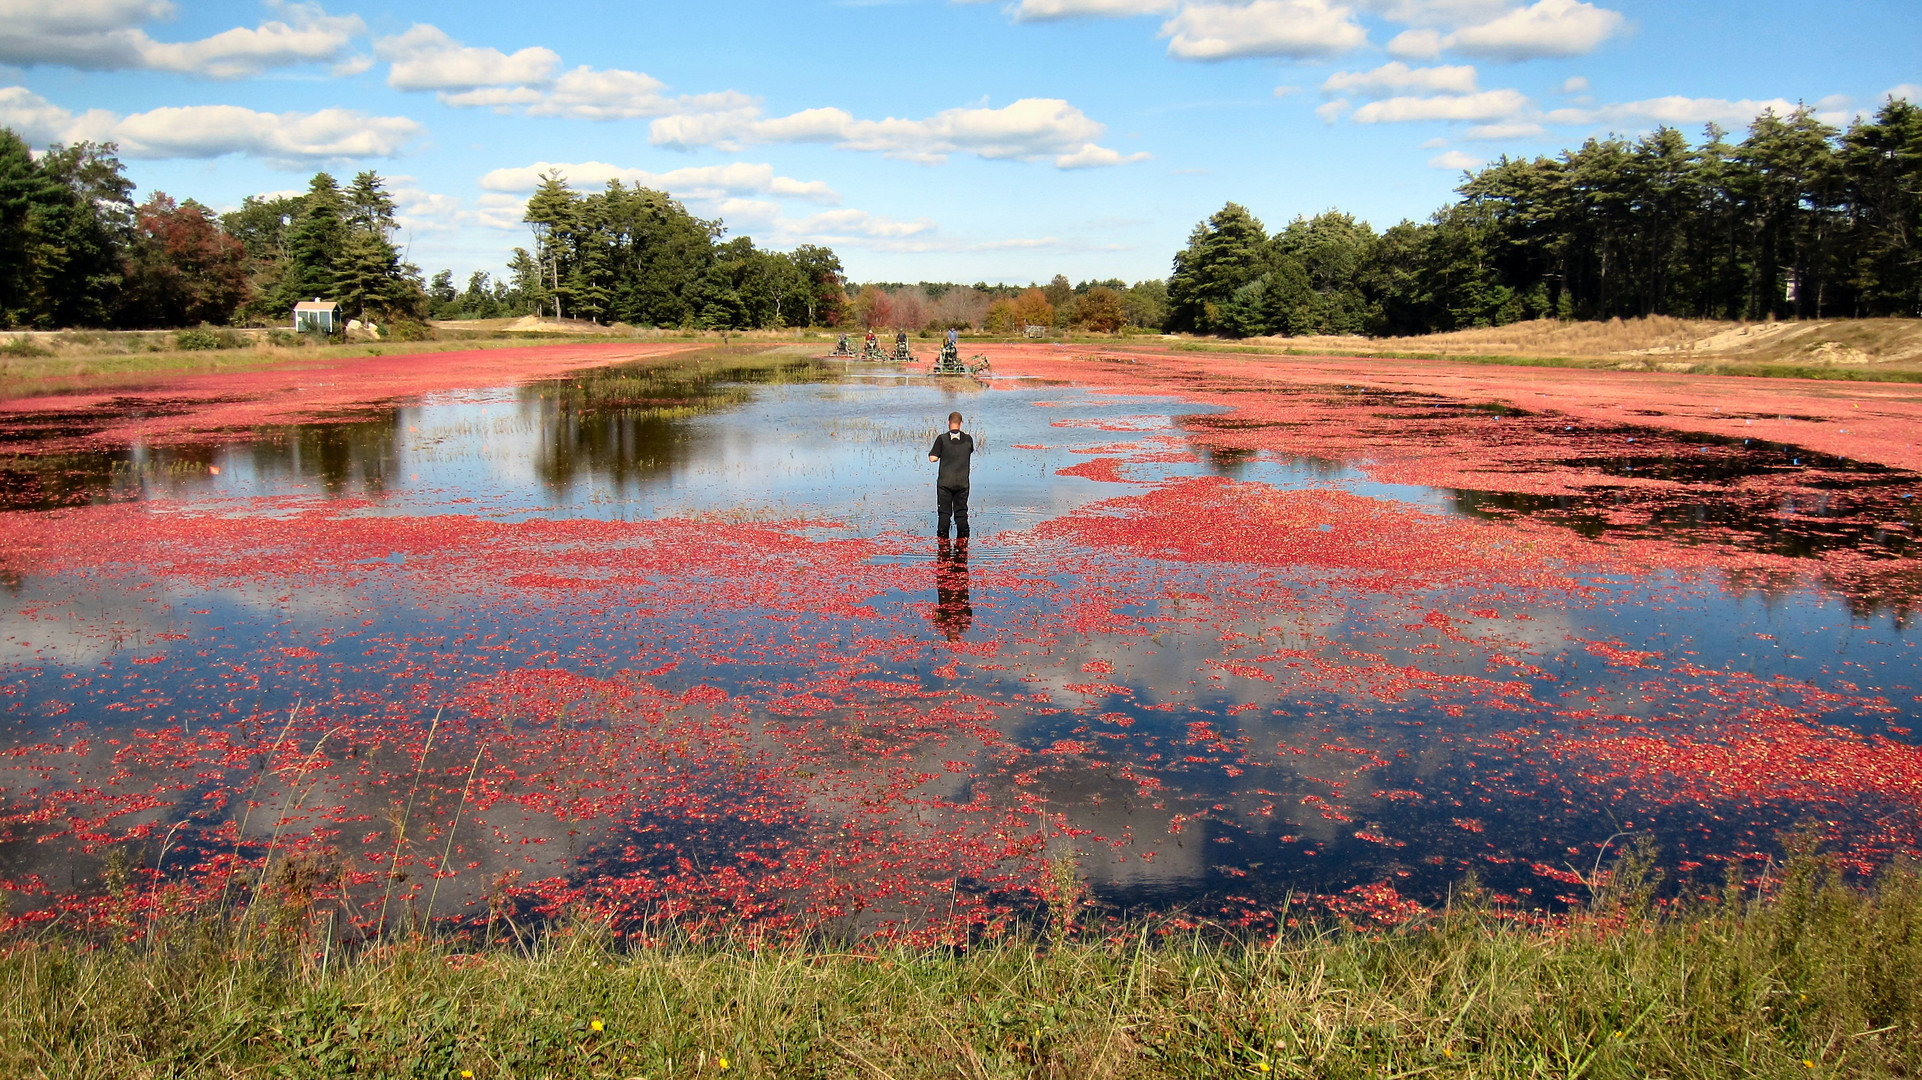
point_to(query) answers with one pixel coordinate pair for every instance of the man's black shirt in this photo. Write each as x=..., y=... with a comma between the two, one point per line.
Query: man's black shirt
x=955, y=449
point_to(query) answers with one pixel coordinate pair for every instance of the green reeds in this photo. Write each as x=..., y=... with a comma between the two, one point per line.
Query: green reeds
x=1817, y=979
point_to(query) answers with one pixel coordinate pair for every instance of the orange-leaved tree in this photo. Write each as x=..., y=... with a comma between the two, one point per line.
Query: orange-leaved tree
x=1031, y=308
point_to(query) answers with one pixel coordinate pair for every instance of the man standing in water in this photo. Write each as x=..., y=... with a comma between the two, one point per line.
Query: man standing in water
x=953, y=450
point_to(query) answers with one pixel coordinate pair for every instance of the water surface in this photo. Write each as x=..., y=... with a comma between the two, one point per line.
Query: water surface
x=1203, y=738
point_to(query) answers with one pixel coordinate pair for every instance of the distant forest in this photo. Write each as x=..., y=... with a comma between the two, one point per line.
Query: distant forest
x=1797, y=220
x=76, y=251
x=636, y=256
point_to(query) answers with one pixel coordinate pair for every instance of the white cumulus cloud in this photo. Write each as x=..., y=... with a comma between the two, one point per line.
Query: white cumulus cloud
x=207, y=131
x=1484, y=106
x=1545, y=28
x=697, y=182
x=1673, y=110
x=1519, y=129
x=307, y=35
x=1437, y=12
x=764, y=218
x=1044, y=10
x=420, y=210
x=1421, y=44
x=107, y=35
x=1398, y=78
x=33, y=117
x=1297, y=29
x=1312, y=29
x=1331, y=111
x=530, y=81
x=426, y=58
x=1031, y=129
x=1092, y=156
x=1909, y=92
x=856, y=223
x=1455, y=161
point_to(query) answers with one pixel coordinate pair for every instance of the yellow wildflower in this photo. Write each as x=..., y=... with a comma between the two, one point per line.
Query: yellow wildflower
x=722, y=1062
x=597, y=1025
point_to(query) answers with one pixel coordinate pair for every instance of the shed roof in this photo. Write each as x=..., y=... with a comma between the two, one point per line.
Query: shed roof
x=316, y=305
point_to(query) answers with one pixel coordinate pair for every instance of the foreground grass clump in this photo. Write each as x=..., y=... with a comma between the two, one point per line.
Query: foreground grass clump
x=1818, y=980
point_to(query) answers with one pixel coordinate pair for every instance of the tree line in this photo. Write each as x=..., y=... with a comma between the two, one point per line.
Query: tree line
x=77, y=251
x=1797, y=220
x=637, y=256
x=1102, y=306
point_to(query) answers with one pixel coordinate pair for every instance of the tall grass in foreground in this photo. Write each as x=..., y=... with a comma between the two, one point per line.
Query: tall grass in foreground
x=1816, y=980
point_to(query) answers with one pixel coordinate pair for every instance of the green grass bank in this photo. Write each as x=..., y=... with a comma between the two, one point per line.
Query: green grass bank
x=1816, y=980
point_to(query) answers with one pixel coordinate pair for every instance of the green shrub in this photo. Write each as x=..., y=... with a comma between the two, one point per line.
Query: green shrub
x=406, y=330
x=201, y=338
x=21, y=347
x=196, y=340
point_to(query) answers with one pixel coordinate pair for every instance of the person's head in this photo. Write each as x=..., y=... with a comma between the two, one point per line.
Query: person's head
x=954, y=421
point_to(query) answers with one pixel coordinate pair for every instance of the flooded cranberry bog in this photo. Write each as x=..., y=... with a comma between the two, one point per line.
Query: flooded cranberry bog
x=657, y=635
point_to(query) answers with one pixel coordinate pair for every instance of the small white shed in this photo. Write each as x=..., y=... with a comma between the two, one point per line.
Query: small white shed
x=316, y=314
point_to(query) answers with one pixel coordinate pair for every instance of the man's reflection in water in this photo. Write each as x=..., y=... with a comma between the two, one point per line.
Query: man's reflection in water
x=952, y=612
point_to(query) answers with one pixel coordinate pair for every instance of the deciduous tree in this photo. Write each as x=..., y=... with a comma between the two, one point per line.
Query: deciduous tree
x=182, y=268
x=1031, y=308
x=1100, y=309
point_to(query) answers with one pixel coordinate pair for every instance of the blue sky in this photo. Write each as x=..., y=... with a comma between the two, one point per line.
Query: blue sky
x=923, y=139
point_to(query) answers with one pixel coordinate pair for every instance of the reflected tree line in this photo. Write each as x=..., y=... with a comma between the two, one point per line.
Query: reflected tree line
x=626, y=425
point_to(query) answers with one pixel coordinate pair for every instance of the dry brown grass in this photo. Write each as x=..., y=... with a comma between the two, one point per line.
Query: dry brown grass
x=1821, y=348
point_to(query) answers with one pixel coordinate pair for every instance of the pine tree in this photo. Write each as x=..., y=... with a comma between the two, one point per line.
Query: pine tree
x=529, y=289
x=315, y=243
x=369, y=207
x=1883, y=159
x=367, y=279
x=24, y=249
x=1224, y=253
x=553, y=213
x=64, y=221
